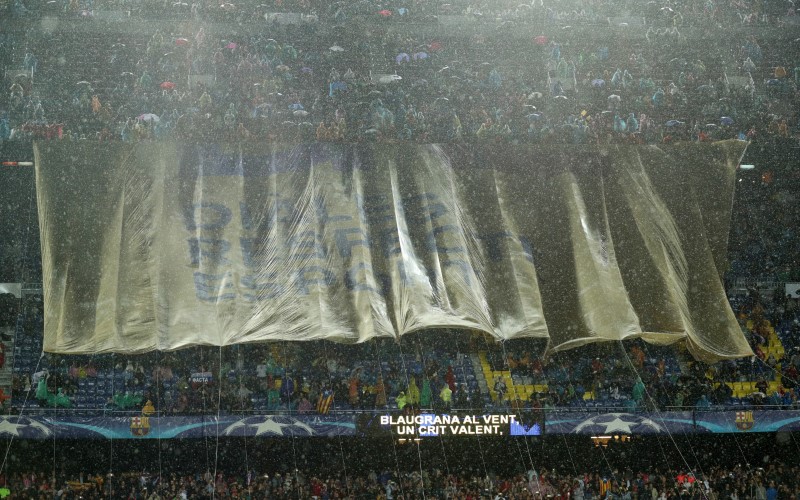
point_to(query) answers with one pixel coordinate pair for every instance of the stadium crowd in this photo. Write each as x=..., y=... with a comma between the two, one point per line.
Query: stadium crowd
x=576, y=11
x=422, y=372
x=360, y=71
x=305, y=83
x=776, y=481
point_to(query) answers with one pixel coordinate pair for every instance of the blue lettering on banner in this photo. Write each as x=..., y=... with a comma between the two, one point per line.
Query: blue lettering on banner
x=362, y=212
x=213, y=253
x=494, y=241
x=345, y=244
x=435, y=246
x=212, y=287
x=322, y=213
x=247, y=218
x=208, y=250
x=280, y=209
x=351, y=278
x=259, y=287
x=219, y=215
x=466, y=270
x=306, y=244
x=390, y=240
x=527, y=248
x=247, y=245
x=313, y=275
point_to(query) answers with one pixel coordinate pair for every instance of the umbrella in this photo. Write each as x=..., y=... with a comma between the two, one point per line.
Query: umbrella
x=420, y=56
x=385, y=12
x=540, y=40
x=674, y=123
x=726, y=120
x=614, y=97
x=231, y=45
x=435, y=46
x=149, y=117
x=336, y=48
x=4, y=492
x=83, y=82
x=389, y=79
x=402, y=57
x=598, y=83
x=300, y=112
x=167, y=85
x=181, y=42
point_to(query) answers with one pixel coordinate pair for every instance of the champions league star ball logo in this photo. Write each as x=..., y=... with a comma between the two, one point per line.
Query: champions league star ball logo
x=625, y=423
x=271, y=425
x=23, y=427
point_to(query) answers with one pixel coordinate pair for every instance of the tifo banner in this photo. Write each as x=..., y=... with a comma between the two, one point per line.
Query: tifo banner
x=369, y=424
x=164, y=245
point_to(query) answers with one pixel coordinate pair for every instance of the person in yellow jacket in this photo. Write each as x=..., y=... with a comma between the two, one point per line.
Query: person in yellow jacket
x=446, y=395
x=401, y=400
x=412, y=394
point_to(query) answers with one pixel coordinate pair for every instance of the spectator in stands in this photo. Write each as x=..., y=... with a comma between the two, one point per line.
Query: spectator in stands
x=446, y=395
x=401, y=401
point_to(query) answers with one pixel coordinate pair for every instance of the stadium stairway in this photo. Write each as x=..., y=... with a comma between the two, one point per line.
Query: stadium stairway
x=517, y=388
x=773, y=347
x=477, y=367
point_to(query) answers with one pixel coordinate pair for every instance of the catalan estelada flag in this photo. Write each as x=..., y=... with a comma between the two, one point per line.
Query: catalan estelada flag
x=325, y=402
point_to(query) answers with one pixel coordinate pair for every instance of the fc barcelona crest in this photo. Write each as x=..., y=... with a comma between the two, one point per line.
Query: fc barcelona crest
x=744, y=420
x=140, y=426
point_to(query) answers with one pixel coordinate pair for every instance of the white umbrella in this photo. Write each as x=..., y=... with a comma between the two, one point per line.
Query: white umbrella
x=336, y=48
x=149, y=117
x=389, y=78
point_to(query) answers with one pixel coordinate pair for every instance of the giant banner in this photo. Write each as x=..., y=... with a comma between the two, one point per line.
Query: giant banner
x=164, y=245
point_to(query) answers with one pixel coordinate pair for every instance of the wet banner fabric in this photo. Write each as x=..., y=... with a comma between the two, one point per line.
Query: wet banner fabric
x=165, y=245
